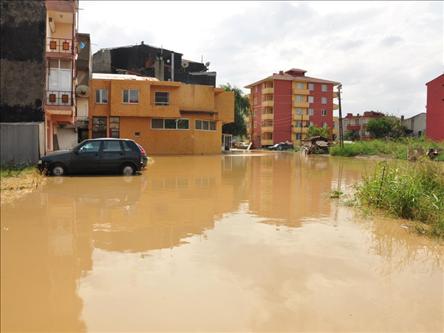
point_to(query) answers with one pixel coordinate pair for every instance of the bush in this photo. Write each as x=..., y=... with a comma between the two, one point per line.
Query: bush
x=412, y=191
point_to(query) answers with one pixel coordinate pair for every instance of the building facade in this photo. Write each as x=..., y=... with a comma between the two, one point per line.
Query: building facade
x=146, y=60
x=164, y=117
x=285, y=104
x=358, y=123
x=435, y=109
x=415, y=125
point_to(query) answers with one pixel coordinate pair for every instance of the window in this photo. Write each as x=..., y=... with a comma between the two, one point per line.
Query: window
x=90, y=147
x=114, y=127
x=300, y=98
x=130, y=146
x=324, y=87
x=300, y=85
x=111, y=146
x=130, y=96
x=161, y=98
x=324, y=100
x=298, y=123
x=101, y=96
x=267, y=123
x=311, y=86
x=299, y=111
x=324, y=112
x=310, y=99
x=99, y=127
x=311, y=112
x=325, y=125
x=205, y=125
x=298, y=136
x=170, y=124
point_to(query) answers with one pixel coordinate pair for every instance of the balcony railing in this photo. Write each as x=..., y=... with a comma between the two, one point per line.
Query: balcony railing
x=59, y=45
x=59, y=98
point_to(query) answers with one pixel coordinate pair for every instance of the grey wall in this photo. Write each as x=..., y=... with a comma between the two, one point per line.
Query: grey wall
x=21, y=143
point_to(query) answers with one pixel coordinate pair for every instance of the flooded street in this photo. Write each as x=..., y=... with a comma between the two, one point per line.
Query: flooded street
x=232, y=243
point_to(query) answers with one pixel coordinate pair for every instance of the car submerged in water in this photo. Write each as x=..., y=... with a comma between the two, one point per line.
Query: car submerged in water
x=93, y=156
x=282, y=146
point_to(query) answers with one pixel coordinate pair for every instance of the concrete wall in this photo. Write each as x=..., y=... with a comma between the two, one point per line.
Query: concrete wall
x=22, y=61
x=417, y=124
x=21, y=143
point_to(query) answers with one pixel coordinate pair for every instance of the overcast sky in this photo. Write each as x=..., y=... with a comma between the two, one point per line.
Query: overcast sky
x=382, y=52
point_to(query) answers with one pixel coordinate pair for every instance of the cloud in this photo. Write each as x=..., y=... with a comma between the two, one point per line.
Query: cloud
x=382, y=52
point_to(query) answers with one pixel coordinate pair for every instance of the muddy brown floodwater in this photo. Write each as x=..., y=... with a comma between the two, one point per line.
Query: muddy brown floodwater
x=233, y=243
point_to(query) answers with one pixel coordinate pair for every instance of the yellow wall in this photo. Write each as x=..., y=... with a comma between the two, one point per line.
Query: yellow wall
x=186, y=101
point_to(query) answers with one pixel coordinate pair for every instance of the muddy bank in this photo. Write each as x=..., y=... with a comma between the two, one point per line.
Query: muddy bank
x=17, y=183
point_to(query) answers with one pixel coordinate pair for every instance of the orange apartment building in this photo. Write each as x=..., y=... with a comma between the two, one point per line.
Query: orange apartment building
x=164, y=117
x=285, y=104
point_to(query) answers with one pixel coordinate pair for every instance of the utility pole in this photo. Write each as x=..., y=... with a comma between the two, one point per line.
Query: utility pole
x=341, y=130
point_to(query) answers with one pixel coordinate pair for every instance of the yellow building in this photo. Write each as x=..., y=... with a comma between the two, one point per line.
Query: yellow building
x=164, y=117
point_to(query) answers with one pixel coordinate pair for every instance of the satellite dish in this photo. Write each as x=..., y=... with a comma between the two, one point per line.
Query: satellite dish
x=185, y=64
x=82, y=90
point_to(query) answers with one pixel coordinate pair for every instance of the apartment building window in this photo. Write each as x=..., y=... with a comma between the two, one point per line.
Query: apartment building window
x=267, y=123
x=310, y=99
x=324, y=88
x=267, y=110
x=114, y=127
x=324, y=112
x=311, y=112
x=170, y=124
x=267, y=136
x=130, y=96
x=324, y=100
x=161, y=98
x=98, y=127
x=299, y=111
x=311, y=86
x=298, y=136
x=101, y=96
x=311, y=123
x=325, y=125
x=300, y=85
x=205, y=125
x=300, y=98
x=298, y=123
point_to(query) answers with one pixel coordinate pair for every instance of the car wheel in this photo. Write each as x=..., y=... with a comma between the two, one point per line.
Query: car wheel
x=128, y=170
x=58, y=170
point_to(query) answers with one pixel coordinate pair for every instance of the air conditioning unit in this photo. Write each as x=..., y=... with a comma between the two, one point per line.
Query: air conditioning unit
x=82, y=91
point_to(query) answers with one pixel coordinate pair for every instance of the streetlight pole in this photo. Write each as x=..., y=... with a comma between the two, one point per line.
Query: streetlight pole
x=341, y=130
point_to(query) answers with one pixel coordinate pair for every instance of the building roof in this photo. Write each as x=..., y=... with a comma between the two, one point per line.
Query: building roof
x=288, y=77
x=106, y=76
x=436, y=78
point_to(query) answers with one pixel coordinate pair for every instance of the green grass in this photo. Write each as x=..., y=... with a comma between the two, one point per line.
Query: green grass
x=392, y=148
x=413, y=191
x=15, y=172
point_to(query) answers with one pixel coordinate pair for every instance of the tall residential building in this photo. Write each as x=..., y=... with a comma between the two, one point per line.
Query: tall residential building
x=164, y=117
x=435, y=109
x=147, y=60
x=285, y=104
x=358, y=123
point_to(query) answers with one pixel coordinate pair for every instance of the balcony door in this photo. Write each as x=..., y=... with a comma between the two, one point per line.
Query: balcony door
x=59, y=90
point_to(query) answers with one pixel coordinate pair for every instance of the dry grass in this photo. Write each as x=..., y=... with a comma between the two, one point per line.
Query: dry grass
x=15, y=183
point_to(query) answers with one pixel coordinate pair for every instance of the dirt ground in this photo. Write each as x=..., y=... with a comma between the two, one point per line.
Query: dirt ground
x=20, y=183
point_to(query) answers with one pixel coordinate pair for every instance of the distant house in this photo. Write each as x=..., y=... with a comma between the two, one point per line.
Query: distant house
x=358, y=123
x=150, y=61
x=435, y=109
x=416, y=124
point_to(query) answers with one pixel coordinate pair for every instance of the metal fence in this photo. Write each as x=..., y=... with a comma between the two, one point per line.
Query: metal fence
x=21, y=143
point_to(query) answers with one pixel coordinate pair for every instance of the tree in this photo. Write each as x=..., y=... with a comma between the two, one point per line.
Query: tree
x=386, y=127
x=241, y=111
x=318, y=131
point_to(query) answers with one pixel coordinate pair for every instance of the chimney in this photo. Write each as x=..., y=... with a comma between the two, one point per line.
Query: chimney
x=402, y=118
x=281, y=72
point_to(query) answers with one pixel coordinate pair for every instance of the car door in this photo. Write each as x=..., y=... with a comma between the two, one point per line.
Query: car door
x=112, y=156
x=86, y=158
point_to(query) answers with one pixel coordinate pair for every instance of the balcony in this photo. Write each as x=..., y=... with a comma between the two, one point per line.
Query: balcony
x=300, y=116
x=300, y=104
x=265, y=116
x=266, y=142
x=268, y=103
x=59, y=98
x=59, y=46
x=297, y=91
x=268, y=129
x=269, y=90
x=300, y=130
